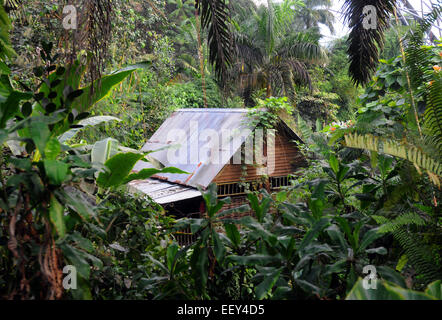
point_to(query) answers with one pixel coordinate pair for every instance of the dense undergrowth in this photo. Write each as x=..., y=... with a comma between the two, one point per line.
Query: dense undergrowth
x=368, y=203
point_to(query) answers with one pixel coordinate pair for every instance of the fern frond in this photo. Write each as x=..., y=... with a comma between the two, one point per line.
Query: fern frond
x=417, y=254
x=398, y=149
x=433, y=112
x=417, y=55
x=406, y=219
x=304, y=128
x=415, y=250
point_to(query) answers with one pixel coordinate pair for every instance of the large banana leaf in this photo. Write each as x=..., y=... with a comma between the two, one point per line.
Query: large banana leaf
x=86, y=98
x=101, y=88
x=92, y=121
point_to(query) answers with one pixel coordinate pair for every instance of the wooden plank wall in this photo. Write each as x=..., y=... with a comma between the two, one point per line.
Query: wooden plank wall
x=287, y=160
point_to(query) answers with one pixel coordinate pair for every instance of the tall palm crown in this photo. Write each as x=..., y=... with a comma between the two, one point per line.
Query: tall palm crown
x=270, y=54
x=316, y=12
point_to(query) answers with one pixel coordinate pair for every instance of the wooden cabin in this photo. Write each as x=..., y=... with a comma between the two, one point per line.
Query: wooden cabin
x=213, y=146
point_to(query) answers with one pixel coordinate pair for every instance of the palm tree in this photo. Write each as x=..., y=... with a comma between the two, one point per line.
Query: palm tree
x=269, y=55
x=315, y=12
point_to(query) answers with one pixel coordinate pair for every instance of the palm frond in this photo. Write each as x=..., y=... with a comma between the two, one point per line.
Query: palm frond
x=246, y=50
x=214, y=18
x=364, y=44
x=302, y=46
x=301, y=76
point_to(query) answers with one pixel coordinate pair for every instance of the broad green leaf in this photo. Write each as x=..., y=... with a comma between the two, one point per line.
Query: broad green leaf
x=102, y=87
x=11, y=106
x=39, y=132
x=24, y=164
x=233, y=233
x=104, y=150
x=254, y=259
x=149, y=172
x=391, y=275
x=308, y=286
x=83, y=291
x=197, y=224
x=334, y=163
x=257, y=227
x=260, y=208
x=218, y=246
x=77, y=259
x=172, y=250
x=384, y=291
x=56, y=213
x=199, y=262
x=81, y=241
x=4, y=68
x=56, y=171
x=210, y=195
x=267, y=284
x=240, y=209
x=119, y=167
x=337, y=237
x=313, y=233
x=435, y=289
x=369, y=237
x=76, y=203
x=343, y=170
x=343, y=223
x=358, y=292
x=406, y=294
x=92, y=121
x=52, y=149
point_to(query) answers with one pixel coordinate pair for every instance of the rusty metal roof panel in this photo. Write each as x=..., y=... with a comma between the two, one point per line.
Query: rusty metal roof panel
x=163, y=192
x=182, y=133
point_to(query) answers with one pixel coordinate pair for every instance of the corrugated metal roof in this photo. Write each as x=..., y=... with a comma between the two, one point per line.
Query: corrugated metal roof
x=179, y=135
x=163, y=192
x=185, y=124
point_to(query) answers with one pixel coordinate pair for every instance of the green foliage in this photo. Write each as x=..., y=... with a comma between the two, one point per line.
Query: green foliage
x=320, y=106
x=390, y=291
x=40, y=193
x=6, y=49
x=266, y=113
x=69, y=146
x=269, y=55
x=132, y=231
x=397, y=149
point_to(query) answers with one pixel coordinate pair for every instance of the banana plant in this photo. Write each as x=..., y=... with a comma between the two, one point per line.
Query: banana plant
x=62, y=96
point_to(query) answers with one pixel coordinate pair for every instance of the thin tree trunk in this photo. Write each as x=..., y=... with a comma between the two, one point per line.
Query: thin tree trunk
x=201, y=56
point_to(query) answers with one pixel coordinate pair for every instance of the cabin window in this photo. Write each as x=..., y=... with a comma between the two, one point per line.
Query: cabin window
x=278, y=182
x=230, y=189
